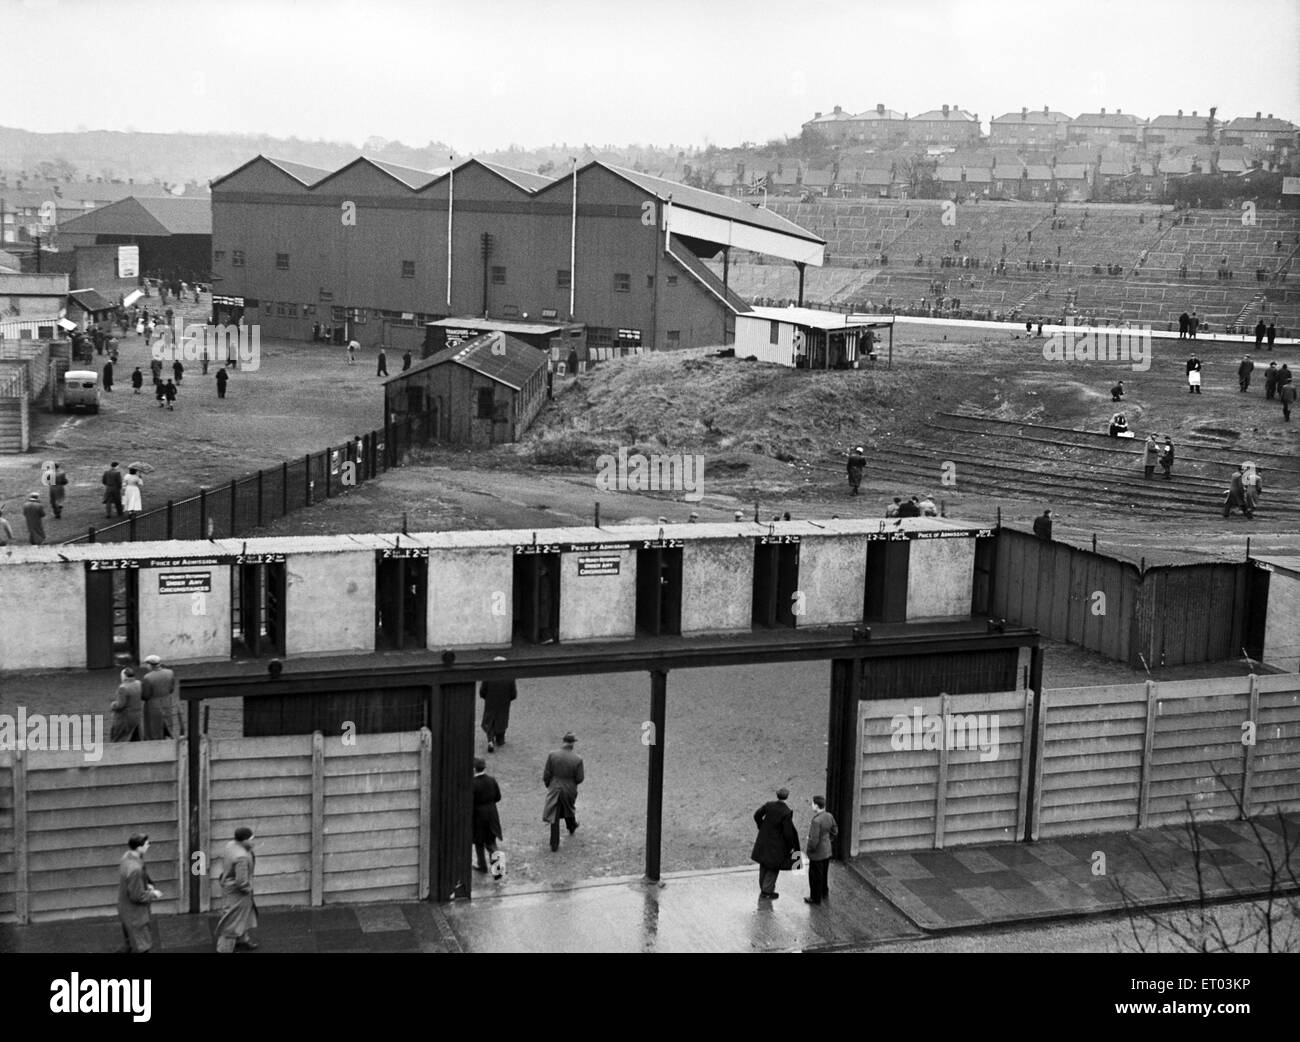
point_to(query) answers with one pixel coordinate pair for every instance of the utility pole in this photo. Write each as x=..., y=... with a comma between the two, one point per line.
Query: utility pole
x=487, y=254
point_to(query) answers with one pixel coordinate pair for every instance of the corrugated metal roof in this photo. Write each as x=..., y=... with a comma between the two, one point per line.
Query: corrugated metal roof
x=91, y=299
x=308, y=175
x=527, y=181
x=489, y=325
x=496, y=355
x=409, y=176
x=714, y=204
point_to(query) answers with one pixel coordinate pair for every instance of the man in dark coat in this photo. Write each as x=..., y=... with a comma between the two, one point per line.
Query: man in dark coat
x=1260, y=330
x=562, y=776
x=777, y=840
x=821, y=831
x=169, y=392
x=108, y=376
x=240, y=916
x=382, y=368
x=161, y=710
x=1183, y=322
x=1284, y=377
x=1117, y=392
x=1167, y=457
x=497, y=696
x=1270, y=380
x=137, y=380
x=135, y=894
x=222, y=377
x=857, y=463
x=1244, y=371
x=127, y=709
x=406, y=361
x=1043, y=525
x=1272, y=335
x=1288, y=396
x=178, y=370
x=112, y=482
x=1193, y=324
x=487, y=822
x=34, y=515
x=910, y=508
x=1237, y=496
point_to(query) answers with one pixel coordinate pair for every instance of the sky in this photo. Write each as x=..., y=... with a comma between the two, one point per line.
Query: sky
x=487, y=74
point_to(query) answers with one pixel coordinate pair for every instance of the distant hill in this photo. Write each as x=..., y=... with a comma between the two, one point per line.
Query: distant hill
x=181, y=158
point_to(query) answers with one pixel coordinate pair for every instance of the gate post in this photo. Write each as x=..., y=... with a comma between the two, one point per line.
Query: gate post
x=842, y=766
x=654, y=804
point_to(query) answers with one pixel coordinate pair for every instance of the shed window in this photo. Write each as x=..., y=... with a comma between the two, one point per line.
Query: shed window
x=498, y=275
x=282, y=261
x=774, y=336
x=672, y=280
x=408, y=269
x=562, y=278
x=674, y=337
x=237, y=258
x=622, y=282
x=486, y=405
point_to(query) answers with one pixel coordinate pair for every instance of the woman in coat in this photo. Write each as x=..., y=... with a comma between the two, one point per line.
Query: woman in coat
x=131, y=486
x=236, y=879
x=126, y=709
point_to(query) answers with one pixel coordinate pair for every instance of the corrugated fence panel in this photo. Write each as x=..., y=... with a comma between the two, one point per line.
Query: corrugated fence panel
x=264, y=783
x=8, y=865
x=79, y=816
x=979, y=781
x=1091, y=759
x=1276, y=781
x=1197, y=756
x=372, y=818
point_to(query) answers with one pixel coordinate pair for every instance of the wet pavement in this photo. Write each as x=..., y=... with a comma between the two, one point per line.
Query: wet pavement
x=878, y=898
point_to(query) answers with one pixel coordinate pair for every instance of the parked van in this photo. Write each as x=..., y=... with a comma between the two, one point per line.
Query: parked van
x=81, y=390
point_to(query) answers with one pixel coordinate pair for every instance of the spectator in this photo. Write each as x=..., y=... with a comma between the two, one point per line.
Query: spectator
x=34, y=515
x=222, y=378
x=1167, y=457
x=135, y=896
x=126, y=708
x=58, y=489
x=1043, y=525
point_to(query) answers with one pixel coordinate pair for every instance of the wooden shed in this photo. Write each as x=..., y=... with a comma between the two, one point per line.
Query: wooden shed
x=485, y=391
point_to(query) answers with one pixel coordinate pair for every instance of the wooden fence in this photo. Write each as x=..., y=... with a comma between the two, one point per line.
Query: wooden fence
x=1164, y=616
x=916, y=793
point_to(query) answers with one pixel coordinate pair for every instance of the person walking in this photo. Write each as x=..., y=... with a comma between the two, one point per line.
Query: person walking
x=1236, y=496
x=112, y=482
x=777, y=840
x=821, y=831
x=169, y=393
x=1288, y=396
x=135, y=897
x=131, y=499
x=137, y=380
x=34, y=515
x=222, y=377
x=6, y=532
x=1260, y=330
x=239, y=865
x=178, y=370
x=1284, y=377
x=487, y=821
x=127, y=709
x=1270, y=381
x=58, y=489
x=1184, y=321
x=1252, y=484
x=1043, y=525
x=155, y=367
x=108, y=376
x=857, y=464
x=406, y=361
x=1167, y=457
x=161, y=711
x=562, y=776
x=353, y=348
x=1149, y=454
x=382, y=368
x=497, y=696
x=1244, y=371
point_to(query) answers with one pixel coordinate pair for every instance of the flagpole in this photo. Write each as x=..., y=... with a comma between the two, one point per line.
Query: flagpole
x=451, y=195
x=573, y=241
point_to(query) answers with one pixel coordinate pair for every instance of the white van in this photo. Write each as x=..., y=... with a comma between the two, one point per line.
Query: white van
x=81, y=390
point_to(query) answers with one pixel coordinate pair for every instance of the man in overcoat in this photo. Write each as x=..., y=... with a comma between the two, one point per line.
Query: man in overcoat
x=777, y=840
x=126, y=708
x=240, y=916
x=497, y=696
x=158, y=693
x=487, y=822
x=562, y=776
x=135, y=897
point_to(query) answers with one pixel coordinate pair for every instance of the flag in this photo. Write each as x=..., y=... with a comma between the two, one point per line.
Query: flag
x=759, y=184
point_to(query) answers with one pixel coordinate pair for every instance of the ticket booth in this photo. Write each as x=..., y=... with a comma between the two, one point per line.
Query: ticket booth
x=401, y=594
x=112, y=613
x=537, y=594
x=257, y=606
x=776, y=580
x=659, y=588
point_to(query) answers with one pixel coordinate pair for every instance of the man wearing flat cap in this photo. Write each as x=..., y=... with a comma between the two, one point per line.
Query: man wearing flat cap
x=562, y=776
x=135, y=897
x=777, y=841
x=158, y=694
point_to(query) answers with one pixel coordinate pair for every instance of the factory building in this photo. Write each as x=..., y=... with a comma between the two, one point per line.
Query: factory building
x=380, y=251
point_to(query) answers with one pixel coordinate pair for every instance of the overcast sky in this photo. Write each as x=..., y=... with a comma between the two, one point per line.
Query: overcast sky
x=484, y=74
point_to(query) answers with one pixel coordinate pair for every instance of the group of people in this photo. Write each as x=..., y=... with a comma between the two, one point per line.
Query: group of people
x=136, y=895
x=1153, y=453
x=1188, y=325
x=1278, y=383
x=915, y=506
x=146, y=707
x=122, y=493
x=1244, y=490
x=777, y=847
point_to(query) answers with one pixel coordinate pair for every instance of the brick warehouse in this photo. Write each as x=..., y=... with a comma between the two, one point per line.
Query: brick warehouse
x=366, y=249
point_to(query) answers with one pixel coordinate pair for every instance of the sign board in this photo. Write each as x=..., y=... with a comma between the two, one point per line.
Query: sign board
x=132, y=297
x=599, y=564
x=185, y=582
x=395, y=552
x=594, y=548
x=765, y=540
x=662, y=544
x=256, y=559
x=1291, y=186
x=234, y=302
x=128, y=262
x=526, y=549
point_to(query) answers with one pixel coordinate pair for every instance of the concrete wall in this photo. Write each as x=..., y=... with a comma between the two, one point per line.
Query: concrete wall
x=470, y=597
x=832, y=578
x=330, y=603
x=180, y=626
x=717, y=586
x=1282, y=630
x=43, y=615
x=940, y=577
x=598, y=606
